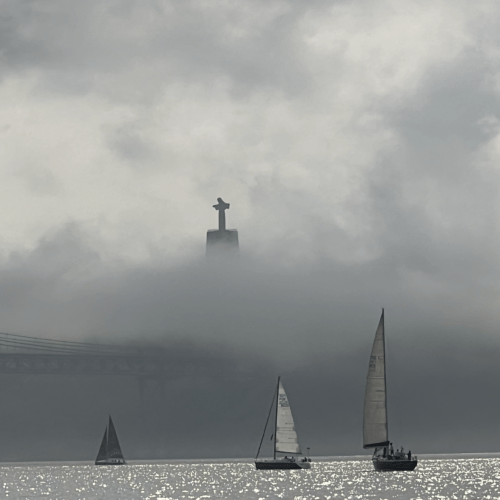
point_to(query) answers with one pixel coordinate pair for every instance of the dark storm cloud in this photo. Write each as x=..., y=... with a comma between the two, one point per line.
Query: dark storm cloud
x=435, y=198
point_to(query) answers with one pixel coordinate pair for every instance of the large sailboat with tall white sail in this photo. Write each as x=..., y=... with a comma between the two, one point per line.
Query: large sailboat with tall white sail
x=375, y=426
x=284, y=435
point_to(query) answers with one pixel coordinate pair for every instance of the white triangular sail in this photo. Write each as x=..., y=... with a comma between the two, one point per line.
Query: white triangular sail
x=286, y=437
x=375, y=431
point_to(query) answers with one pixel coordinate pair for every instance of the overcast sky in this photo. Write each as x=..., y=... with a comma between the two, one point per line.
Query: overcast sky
x=358, y=144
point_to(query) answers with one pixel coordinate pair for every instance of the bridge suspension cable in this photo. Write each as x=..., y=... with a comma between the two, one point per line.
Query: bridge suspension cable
x=15, y=341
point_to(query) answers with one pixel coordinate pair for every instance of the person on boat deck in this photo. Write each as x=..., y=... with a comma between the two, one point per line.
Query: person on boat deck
x=391, y=449
x=384, y=454
x=409, y=454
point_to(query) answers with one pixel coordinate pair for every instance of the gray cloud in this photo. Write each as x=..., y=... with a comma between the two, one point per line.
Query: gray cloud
x=75, y=45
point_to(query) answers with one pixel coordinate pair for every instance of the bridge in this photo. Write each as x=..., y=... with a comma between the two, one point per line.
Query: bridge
x=21, y=354
x=25, y=354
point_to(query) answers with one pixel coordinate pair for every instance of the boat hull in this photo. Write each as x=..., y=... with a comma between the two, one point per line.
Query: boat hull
x=281, y=465
x=110, y=462
x=384, y=464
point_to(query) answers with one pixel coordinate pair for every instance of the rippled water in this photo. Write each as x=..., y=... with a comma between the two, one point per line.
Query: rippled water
x=443, y=478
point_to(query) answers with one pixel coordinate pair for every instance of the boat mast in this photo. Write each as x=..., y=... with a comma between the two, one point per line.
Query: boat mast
x=385, y=377
x=276, y=416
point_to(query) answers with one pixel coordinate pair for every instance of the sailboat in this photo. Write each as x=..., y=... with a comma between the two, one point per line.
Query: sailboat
x=285, y=437
x=375, y=426
x=110, y=452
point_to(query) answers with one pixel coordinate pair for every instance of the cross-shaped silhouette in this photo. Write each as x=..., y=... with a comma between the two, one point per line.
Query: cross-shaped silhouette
x=221, y=207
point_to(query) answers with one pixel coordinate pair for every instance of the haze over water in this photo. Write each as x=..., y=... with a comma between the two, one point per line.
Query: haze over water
x=446, y=478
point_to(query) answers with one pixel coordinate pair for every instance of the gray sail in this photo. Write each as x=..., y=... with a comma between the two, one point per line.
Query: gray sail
x=375, y=432
x=103, y=450
x=286, y=437
x=114, y=450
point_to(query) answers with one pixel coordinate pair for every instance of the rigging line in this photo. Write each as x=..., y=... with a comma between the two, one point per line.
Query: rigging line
x=265, y=427
x=45, y=347
x=276, y=417
x=109, y=346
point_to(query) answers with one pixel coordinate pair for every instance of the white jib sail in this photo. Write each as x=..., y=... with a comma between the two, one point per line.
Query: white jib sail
x=375, y=409
x=286, y=437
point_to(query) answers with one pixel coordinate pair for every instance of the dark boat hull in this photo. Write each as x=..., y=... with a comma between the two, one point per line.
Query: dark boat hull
x=281, y=465
x=111, y=462
x=394, y=465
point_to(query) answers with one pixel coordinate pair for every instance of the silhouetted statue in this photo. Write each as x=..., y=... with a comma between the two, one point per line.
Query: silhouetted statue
x=222, y=241
x=221, y=207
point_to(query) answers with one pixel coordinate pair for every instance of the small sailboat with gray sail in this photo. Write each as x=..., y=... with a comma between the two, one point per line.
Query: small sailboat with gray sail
x=375, y=426
x=110, y=452
x=284, y=435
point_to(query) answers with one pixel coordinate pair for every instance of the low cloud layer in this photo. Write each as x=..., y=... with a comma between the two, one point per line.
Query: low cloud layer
x=240, y=324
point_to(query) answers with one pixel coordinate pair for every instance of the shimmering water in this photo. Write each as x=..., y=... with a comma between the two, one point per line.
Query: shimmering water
x=433, y=479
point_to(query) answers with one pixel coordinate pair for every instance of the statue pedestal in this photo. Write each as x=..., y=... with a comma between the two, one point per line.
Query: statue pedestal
x=222, y=242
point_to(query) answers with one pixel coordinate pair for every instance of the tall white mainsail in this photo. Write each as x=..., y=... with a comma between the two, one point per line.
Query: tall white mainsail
x=286, y=437
x=375, y=411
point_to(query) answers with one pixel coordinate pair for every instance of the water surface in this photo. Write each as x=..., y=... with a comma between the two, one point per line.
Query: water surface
x=451, y=478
